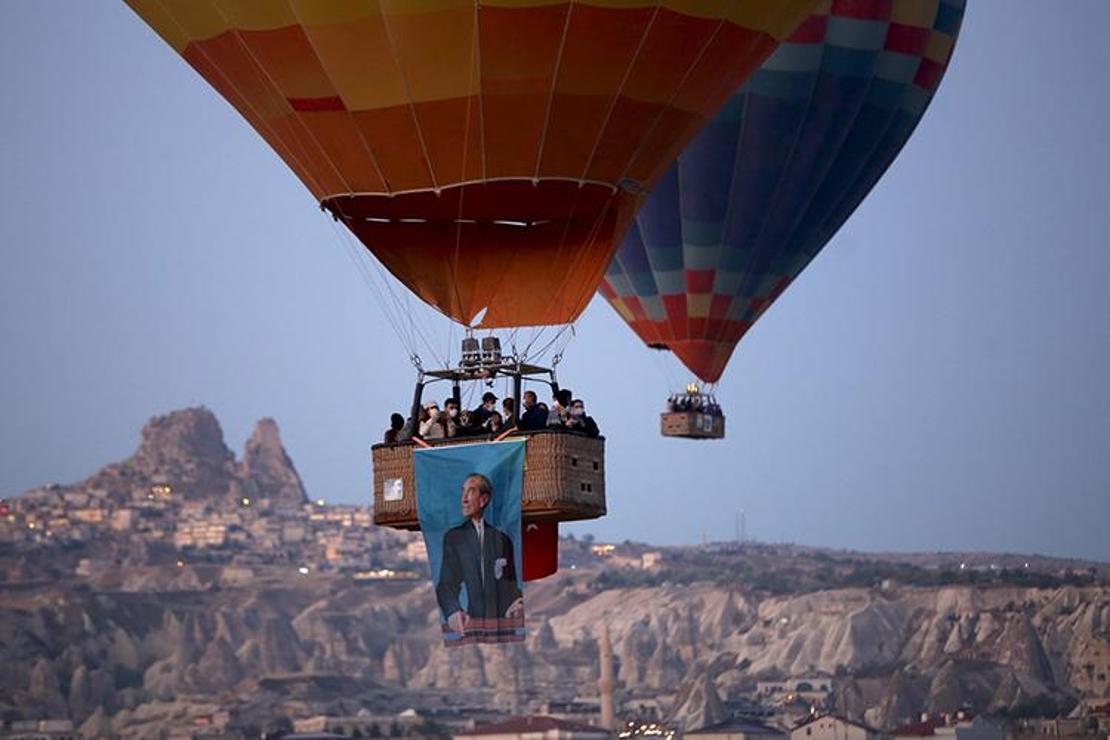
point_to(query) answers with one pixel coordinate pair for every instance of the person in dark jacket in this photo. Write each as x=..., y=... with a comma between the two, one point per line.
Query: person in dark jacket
x=480, y=557
x=532, y=417
x=579, y=421
x=393, y=434
x=480, y=415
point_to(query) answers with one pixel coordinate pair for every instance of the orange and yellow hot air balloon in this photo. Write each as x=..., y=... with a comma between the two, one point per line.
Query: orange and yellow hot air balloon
x=491, y=153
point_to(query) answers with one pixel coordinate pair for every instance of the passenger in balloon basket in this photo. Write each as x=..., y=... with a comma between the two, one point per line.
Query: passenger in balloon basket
x=393, y=435
x=533, y=417
x=436, y=424
x=478, y=557
x=450, y=416
x=480, y=415
x=494, y=424
x=466, y=426
x=578, y=420
x=560, y=409
x=508, y=412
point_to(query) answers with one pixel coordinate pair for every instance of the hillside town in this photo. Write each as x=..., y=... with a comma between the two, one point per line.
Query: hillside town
x=186, y=592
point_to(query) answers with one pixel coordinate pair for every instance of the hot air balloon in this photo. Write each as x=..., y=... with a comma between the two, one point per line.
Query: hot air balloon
x=463, y=138
x=490, y=153
x=759, y=192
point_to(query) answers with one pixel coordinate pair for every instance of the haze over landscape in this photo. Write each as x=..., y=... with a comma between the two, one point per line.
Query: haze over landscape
x=934, y=381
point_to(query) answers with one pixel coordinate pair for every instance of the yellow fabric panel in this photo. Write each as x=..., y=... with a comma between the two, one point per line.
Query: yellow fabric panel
x=156, y=16
x=921, y=13
x=181, y=21
x=778, y=19
x=622, y=309
x=435, y=52
x=358, y=59
x=940, y=47
x=697, y=305
x=324, y=12
x=254, y=15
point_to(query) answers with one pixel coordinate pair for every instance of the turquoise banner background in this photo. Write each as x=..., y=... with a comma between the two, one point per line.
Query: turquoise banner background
x=440, y=472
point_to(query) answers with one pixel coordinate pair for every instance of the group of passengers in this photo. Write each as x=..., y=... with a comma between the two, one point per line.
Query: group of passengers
x=683, y=402
x=565, y=413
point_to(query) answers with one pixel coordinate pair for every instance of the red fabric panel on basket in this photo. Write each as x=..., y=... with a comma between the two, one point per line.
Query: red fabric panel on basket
x=539, y=549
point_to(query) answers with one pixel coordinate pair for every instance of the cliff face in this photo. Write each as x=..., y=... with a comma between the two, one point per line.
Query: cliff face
x=936, y=649
x=267, y=465
x=187, y=448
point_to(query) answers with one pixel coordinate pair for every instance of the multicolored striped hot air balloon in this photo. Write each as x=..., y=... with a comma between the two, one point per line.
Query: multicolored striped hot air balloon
x=781, y=167
x=490, y=153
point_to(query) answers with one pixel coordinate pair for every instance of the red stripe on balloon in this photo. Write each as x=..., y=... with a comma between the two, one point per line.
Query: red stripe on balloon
x=311, y=105
x=928, y=74
x=867, y=9
x=812, y=30
x=699, y=281
x=907, y=39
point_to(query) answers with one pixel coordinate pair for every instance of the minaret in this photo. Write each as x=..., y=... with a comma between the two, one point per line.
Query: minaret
x=605, y=680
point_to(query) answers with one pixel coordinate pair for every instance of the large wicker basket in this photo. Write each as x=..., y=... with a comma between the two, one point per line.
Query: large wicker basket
x=692, y=425
x=564, y=479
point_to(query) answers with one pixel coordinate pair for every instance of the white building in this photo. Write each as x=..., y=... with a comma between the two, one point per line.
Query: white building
x=536, y=728
x=831, y=727
x=737, y=728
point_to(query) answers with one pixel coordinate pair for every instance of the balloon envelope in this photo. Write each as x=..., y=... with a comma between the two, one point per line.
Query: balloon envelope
x=780, y=168
x=490, y=153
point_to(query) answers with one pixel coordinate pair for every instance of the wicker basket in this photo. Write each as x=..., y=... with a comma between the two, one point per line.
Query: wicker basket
x=564, y=478
x=692, y=425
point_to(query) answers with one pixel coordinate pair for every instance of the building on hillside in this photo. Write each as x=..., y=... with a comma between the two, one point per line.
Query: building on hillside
x=39, y=729
x=832, y=727
x=979, y=728
x=536, y=728
x=123, y=519
x=813, y=690
x=363, y=724
x=737, y=728
x=1058, y=728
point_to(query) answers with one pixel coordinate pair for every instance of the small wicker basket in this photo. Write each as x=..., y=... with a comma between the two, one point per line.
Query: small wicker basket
x=692, y=425
x=564, y=478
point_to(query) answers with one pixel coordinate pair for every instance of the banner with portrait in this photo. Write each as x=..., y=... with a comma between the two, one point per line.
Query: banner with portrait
x=468, y=502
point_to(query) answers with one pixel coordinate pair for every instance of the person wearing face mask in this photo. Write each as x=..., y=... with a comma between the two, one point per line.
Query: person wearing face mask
x=431, y=424
x=578, y=420
x=450, y=417
x=480, y=415
x=560, y=409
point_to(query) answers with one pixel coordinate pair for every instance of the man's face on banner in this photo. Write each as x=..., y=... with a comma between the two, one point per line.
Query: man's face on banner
x=473, y=500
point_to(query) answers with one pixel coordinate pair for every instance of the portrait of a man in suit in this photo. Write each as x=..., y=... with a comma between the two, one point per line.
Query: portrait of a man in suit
x=479, y=557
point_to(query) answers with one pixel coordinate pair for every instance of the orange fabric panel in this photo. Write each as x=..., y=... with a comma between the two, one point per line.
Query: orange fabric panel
x=453, y=143
x=522, y=274
x=345, y=147
x=290, y=61
x=399, y=151
x=518, y=60
x=354, y=52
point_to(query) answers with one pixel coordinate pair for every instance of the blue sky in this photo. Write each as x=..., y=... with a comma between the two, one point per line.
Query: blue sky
x=935, y=380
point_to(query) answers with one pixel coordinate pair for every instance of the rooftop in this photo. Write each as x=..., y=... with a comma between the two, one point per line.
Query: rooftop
x=540, y=723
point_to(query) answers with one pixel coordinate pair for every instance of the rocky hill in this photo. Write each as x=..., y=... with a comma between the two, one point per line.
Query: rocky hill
x=226, y=634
